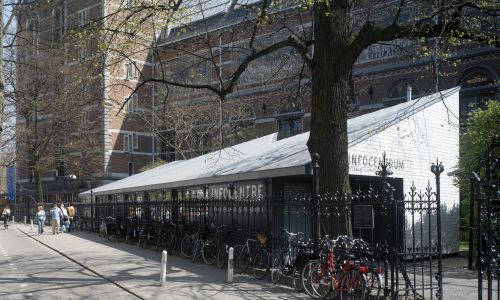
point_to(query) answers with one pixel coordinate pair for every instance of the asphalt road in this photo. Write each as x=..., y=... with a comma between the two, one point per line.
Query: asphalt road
x=29, y=270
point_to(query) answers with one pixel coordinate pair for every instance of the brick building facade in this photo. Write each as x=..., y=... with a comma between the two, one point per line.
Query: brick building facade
x=206, y=48
x=98, y=139
x=278, y=98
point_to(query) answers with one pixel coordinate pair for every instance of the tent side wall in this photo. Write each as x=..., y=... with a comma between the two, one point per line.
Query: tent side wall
x=412, y=145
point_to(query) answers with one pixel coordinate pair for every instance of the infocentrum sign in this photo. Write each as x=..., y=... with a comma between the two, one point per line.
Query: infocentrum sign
x=367, y=163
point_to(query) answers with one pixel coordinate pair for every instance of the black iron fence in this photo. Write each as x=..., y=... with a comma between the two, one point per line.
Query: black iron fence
x=486, y=195
x=404, y=230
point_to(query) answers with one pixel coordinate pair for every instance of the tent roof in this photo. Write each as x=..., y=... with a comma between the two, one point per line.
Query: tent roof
x=262, y=157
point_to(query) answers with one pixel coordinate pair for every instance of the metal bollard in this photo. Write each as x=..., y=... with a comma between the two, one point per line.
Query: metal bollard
x=31, y=221
x=230, y=270
x=24, y=219
x=163, y=274
x=13, y=220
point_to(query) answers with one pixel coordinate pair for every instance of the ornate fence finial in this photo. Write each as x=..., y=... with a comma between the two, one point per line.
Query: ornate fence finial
x=315, y=160
x=231, y=189
x=205, y=190
x=437, y=168
x=384, y=168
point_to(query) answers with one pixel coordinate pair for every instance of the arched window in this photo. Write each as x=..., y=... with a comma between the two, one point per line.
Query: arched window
x=478, y=85
x=477, y=77
x=397, y=93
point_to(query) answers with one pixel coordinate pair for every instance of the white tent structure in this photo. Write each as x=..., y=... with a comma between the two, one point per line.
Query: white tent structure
x=413, y=135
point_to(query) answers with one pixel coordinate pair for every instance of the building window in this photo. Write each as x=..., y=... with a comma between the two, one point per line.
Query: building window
x=288, y=127
x=135, y=141
x=202, y=140
x=83, y=18
x=167, y=145
x=477, y=78
x=33, y=27
x=130, y=142
x=131, y=71
x=59, y=21
x=84, y=121
x=133, y=103
x=130, y=168
x=398, y=92
x=478, y=86
x=83, y=50
x=126, y=143
x=289, y=118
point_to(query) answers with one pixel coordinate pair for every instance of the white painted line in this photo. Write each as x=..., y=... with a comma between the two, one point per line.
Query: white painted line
x=23, y=285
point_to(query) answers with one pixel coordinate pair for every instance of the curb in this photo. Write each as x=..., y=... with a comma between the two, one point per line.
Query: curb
x=82, y=265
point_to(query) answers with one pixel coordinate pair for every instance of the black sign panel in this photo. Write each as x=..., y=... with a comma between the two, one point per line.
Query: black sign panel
x=363, y=216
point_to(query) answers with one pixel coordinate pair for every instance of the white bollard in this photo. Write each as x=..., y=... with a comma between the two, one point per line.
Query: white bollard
x=24, y=219
x=163, y=274
x=31, y=221
x=13, y=220
x=230, y=270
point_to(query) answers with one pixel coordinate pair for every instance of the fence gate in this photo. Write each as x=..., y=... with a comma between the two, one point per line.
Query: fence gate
x=485, y=193
x=404, y=229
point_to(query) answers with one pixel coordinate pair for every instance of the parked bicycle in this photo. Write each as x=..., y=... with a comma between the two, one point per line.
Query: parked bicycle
x=191, y=246
x=263, y=258
x=212, y=244
x=243, y=254
x=283, y=264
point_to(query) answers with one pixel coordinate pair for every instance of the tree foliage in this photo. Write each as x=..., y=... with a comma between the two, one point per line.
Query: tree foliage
x=482, y=136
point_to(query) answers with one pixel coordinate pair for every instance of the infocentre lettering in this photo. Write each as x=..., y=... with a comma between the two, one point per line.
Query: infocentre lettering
x=223, y=190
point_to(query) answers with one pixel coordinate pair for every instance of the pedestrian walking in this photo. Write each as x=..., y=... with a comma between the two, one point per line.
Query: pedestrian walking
x=6, y=216
x=71, y=215
x=55, y=216
x=64, y=218
x=40, y=219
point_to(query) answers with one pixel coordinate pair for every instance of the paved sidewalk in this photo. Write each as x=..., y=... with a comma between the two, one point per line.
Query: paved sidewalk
x=138, y=270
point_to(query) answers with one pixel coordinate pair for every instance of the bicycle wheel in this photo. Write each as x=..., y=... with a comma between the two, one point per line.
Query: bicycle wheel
x=208, y=253
x=221, y=257
x=260, y=264
x=277, y=269
x=241, y=259
x=352, y=286
x=374, y=285
x=321, y=280
x=298, y=285
x=305, y=277
x=187, y=246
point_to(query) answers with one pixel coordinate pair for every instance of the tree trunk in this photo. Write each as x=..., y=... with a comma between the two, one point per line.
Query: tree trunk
x=38, y=185
x=330, y=96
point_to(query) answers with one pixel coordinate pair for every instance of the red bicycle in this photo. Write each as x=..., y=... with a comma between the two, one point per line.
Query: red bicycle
x=346, y=279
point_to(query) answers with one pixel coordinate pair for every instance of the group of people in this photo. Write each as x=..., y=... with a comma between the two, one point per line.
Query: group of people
x=62, y=218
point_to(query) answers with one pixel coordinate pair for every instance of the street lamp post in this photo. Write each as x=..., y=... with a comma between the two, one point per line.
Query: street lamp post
x=91, y=205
